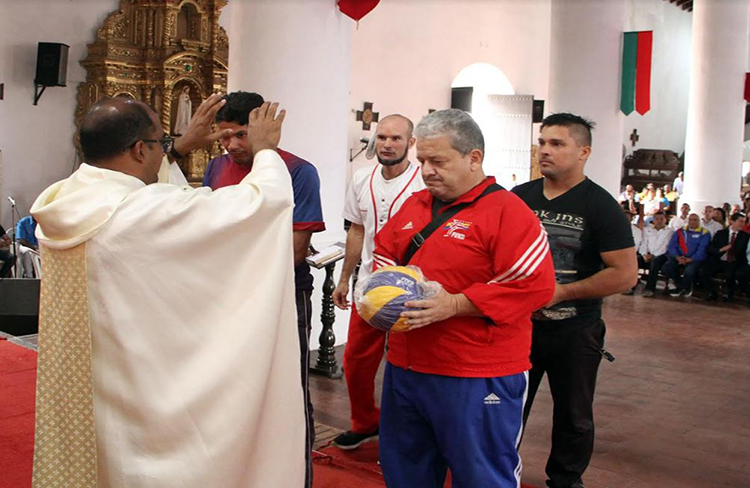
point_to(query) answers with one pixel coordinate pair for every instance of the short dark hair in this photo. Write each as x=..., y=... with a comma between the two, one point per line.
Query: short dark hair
x=238, y=107
x=723, y=213
x=660, y=212
x=736, y=216
x=580, y=128
x=105, y=133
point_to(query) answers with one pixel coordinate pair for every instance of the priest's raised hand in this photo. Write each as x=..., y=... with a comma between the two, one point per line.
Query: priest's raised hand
x=200, y=131
x=264, y=127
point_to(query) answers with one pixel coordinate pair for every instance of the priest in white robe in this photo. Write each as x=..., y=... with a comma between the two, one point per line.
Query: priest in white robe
x=168, y=352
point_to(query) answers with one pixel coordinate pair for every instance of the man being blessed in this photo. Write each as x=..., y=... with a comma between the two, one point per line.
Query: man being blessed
x=168, y=355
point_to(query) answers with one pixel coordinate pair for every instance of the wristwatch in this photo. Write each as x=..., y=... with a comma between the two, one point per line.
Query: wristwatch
x=173, y=152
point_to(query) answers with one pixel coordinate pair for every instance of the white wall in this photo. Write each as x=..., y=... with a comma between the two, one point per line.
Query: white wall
x=406, y=53
x=404, y=56
x=663, y=127
x=37, y=142
x=585, y=77
x=716, y=113
x=297, y=52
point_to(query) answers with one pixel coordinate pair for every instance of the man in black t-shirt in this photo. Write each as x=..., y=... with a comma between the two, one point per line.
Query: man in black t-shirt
x=592, y=247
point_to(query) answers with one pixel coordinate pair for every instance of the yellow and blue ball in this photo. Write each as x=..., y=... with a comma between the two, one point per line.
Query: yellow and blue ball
x=384, y=295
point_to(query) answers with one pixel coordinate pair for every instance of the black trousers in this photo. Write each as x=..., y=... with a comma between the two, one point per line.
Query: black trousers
x=742, y=275
x=569, y=352
x=304, y=311
x=8, y=260
x=654, y=266
x=715, y=267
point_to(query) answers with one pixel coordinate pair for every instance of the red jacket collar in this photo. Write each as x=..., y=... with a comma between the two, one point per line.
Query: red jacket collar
x=470, y=195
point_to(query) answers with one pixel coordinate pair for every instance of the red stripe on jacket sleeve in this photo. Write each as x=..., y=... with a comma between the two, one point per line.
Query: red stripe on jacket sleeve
x=525, y=276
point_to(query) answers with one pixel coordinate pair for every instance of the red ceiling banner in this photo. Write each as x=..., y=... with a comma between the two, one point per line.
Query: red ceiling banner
x=747, y=87
x=643, y=72
x=356, y=9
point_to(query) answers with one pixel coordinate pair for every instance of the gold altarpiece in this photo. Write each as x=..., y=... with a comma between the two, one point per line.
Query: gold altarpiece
x=151, y=50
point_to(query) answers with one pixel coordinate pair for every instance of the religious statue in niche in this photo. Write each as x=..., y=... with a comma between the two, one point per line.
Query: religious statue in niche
x=156, y=100
x=184, y=112
x=188, y=23
x=170, y=54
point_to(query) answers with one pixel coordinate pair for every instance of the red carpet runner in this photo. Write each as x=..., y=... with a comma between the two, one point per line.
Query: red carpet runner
x=17, y=391
x=333, y=468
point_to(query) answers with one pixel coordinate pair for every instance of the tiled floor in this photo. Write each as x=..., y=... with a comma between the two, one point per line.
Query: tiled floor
x=673, y=411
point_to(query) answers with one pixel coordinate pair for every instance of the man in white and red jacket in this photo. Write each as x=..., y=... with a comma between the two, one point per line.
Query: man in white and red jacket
x=374, y=195
x=455, y=382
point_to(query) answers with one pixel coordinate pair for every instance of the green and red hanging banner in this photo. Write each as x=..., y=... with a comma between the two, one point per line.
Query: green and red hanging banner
x=636, y=72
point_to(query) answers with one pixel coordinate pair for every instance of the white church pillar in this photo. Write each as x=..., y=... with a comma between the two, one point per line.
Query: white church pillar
x=585, y=77
x=716, y=108
x=297, y=52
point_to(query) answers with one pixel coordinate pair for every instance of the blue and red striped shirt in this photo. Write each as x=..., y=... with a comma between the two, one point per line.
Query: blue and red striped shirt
x=308, y=214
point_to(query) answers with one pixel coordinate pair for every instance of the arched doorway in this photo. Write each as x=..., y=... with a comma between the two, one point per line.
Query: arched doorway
x=505, y=119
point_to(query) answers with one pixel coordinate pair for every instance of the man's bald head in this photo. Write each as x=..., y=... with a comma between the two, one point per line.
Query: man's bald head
x=393, y=139
x=112, y=126
x=406, y=120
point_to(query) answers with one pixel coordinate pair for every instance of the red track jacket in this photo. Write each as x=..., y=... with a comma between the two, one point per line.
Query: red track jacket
x=495, y=252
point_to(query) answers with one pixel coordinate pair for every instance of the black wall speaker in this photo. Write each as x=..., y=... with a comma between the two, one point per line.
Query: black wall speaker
x=537, y=112
x=51, y=64
x=19, y=306
x=461, y=98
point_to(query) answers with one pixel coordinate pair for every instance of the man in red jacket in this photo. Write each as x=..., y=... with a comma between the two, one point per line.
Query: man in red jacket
x=456, y=381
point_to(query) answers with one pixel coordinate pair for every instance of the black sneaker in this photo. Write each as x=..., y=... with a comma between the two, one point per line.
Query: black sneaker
x=351, y=440
x=577, y=484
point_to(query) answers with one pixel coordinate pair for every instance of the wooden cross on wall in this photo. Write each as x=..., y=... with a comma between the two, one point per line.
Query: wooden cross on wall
x=634, y=137
x=367, y=116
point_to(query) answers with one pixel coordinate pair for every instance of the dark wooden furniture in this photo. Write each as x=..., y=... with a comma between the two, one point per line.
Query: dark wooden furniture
x=646, y=166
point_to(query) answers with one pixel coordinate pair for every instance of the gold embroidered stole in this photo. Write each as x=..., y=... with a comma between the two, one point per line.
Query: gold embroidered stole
x=65, y=438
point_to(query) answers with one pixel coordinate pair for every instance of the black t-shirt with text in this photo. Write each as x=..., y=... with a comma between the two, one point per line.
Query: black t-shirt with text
x=580, y=224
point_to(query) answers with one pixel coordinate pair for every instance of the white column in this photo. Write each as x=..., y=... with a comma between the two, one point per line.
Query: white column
x=297, y=52
x=586, y=58
x=716, y=109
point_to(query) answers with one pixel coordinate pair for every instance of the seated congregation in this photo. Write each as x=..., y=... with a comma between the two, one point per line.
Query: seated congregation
x=687, y=252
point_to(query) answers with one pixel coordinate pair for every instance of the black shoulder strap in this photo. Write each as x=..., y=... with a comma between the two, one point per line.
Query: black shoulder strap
x=439, y=220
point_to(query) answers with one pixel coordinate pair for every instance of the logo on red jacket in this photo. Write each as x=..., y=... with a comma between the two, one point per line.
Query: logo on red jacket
x=457, y=229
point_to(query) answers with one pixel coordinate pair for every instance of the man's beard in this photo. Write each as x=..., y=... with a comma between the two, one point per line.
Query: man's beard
x=392, y=162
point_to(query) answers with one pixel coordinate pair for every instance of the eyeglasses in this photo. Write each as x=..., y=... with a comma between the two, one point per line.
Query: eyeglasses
x=166, y=143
